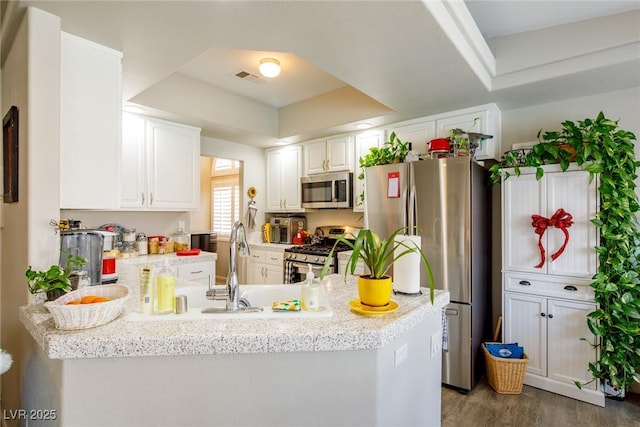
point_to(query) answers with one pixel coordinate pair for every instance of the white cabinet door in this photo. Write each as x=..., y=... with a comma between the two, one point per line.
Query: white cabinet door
x=522, y=197
x=418, y=134
x=525, y=323
x=573, y=192
x=525, y=196
x=315, y=157
x=364, y=143
x=133, y=163
x=174, y=166
x=339, y=154
x=284, y=168
x=569, y=354
x=255, y=267
x=273, y=274
x=159, y=165
x=90, y=121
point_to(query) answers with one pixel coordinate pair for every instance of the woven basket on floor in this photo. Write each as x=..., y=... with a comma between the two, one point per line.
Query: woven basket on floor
x=505, y=376
x=83, y=316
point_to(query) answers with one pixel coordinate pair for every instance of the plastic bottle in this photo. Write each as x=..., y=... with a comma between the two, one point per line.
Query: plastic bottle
x=166, y=287
x=310, y=293
x=146, y=293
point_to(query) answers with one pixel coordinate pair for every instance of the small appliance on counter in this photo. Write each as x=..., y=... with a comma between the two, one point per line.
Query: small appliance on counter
x=283, y=229
x=206, y=241
x=109, y=255
x=87, y=244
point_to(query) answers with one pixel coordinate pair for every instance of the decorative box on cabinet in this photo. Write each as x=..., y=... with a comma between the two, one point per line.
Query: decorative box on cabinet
x=90, y=120
x=364, y=142
x=332, y=155
x=265, y=267
x=546, y=304
x=284, y=169
x=160, y=165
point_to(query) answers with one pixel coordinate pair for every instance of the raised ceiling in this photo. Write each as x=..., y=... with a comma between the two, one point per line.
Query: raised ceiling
x=344, y=62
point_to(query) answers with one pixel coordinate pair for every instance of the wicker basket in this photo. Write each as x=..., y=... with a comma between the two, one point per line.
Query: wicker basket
x=505, y=376
x=84, y=316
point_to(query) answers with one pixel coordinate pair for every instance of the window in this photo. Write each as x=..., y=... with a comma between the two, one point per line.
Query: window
x=225, y=195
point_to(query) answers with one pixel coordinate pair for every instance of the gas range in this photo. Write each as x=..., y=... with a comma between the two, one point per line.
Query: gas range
x=323, y=241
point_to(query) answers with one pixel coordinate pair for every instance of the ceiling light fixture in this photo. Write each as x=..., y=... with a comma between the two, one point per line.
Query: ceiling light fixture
x=269, y=67
x=364, y=125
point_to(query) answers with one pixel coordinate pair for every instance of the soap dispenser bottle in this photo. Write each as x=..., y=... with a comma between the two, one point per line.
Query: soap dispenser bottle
x=310, y=293
x=166, y=288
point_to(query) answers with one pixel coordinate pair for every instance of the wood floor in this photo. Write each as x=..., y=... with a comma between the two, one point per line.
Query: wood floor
x=483, y=407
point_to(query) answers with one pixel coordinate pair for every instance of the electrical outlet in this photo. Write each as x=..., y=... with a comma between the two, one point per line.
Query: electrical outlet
x=401, y=354
x=180, y=225
x=436, y=344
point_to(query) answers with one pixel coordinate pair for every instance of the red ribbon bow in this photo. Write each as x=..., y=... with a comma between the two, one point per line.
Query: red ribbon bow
x=561, y=220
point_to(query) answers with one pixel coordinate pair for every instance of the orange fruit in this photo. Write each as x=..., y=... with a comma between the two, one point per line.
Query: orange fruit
x=73, y=302
x=88, y=299
x=100, y=299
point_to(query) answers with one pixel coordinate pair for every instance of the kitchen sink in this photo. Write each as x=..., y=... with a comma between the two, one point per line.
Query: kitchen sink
x=257, y=295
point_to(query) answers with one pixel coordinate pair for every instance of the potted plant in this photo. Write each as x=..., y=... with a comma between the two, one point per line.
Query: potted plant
x=600, y=147
x=375, y=288
x=54, y=281
x=392, y=151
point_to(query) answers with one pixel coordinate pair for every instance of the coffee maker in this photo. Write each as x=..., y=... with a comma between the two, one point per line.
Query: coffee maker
x=87, y=244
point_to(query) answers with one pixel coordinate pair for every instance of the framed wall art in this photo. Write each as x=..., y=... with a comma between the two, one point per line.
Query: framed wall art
x=10, y=155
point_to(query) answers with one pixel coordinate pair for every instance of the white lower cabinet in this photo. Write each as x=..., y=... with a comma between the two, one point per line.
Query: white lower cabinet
x=265, y=267
x=201, y=272
x=557, y=341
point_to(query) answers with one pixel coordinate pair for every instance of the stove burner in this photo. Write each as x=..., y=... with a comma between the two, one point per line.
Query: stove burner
x=318, y=249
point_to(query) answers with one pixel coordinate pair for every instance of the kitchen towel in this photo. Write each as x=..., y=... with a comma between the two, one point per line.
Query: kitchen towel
x=406, y=270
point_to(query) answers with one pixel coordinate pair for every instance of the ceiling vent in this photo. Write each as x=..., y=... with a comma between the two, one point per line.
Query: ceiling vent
x=245, y=75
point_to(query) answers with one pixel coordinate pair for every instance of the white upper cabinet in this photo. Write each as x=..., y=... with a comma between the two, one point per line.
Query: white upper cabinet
x=284, y=169
x=419, y=134
x=485, y=119
x=160, y=165
x=331, y=155
x=364, y=142
x=90, y=124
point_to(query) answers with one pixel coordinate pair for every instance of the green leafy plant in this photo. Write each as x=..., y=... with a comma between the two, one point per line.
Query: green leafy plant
x=54, y=279
x=600, y=147
x=377, y=254
x=392, y=151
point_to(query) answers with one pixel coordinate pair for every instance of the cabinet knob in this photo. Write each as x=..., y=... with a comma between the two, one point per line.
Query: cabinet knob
x=570, y=288
x=142, y=199
x=150, y=199
x=542, y=314
x=550, y=316
x=524, y=283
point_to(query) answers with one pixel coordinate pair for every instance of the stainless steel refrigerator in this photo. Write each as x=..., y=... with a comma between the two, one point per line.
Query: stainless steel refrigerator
x=448, y=201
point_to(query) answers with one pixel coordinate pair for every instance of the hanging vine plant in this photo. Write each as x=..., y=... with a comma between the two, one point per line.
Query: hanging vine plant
x=600, y=147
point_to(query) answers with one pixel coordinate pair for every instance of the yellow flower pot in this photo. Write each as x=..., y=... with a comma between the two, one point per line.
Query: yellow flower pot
x=375, y=292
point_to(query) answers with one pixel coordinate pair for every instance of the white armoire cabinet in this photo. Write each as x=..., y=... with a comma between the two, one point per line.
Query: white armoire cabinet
x=90, y=117
x=159, y=165
x=284, y=169
x=546, y=304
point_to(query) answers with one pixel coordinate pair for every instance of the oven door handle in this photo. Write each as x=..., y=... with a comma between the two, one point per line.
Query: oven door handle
x=296, y=264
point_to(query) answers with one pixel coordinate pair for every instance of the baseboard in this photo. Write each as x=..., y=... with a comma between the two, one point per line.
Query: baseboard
x=591, y=396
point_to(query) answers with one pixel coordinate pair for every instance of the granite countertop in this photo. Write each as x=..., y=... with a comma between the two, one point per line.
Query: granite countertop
x=345, y=330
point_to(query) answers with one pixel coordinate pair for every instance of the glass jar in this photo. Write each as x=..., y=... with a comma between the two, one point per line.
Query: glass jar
x=142, y=244
x=181, y=241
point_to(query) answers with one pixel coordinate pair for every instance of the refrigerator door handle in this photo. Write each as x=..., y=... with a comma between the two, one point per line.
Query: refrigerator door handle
x=411, y=211
x=405, y=218
x=451, y=311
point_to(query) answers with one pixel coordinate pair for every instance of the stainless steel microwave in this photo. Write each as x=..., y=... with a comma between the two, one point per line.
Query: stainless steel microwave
x=329, y=190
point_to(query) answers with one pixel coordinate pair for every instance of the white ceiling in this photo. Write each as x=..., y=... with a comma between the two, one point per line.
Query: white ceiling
x=347, y=61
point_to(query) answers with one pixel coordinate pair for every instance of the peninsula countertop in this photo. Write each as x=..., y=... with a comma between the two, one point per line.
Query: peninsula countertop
x=345, y=330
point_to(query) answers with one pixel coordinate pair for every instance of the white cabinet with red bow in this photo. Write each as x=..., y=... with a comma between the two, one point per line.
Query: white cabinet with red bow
x=548, y=260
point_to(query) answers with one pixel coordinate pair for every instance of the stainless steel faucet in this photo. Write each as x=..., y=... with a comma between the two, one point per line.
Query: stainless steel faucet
x=230, y=292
